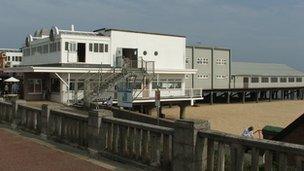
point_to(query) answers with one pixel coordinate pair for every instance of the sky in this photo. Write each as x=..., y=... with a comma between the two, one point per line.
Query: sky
x=255, y=30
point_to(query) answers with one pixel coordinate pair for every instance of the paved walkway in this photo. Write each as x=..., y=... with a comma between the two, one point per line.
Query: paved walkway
x=24, y=153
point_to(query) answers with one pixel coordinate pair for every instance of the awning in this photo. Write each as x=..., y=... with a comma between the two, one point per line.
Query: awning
x=11, y=80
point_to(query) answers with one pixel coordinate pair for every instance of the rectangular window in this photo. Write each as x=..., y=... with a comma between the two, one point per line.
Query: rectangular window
x=58, y=46
x=80, y=85
x=95, y=47
x=8, y=58
x=13, y=58
x=66, y=46
x=55, y=85
x=91, y=47
x=72, y=85
x=73, y=47
x=199, y=60
x=283, y=79
x=106, y=48
x=299, y=79
x=254, y=79
x=168, y=84
x=265, y=80
x=101, y=47
x=39, y=50
x=34, y=85
x=291, y=79
x=45, y=49
x=274, y=79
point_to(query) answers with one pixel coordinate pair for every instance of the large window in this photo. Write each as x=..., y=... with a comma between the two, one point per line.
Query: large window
x=299, y=79
x=91, y=47
x=291, y=79
x=254, y=79
x=34, y=85
x=55, y=85
x=265, y=80
x=167, y=84
x=283, y=79
x=274, y=79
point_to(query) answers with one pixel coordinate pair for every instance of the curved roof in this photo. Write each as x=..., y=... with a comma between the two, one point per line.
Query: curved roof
x=263, y=69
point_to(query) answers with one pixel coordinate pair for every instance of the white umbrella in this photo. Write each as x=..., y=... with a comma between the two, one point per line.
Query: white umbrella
x=12, y=79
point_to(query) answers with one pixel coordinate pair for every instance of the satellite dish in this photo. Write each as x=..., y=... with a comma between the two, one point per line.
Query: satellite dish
x=53, y=33
x=28, y=40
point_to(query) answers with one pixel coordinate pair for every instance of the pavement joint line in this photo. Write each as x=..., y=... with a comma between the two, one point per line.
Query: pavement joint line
x=63, y=148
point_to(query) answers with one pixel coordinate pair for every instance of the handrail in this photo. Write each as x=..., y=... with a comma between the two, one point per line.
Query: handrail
x=252, y=142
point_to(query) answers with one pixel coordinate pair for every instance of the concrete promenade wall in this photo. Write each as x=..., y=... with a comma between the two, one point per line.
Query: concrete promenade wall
x=167, y=145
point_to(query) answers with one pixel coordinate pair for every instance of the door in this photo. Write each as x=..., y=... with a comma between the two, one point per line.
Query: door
x=81, y=52
x=130, y=57
x=246, y=82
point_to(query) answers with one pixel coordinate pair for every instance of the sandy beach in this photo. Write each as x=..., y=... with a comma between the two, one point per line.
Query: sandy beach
x=234, y=118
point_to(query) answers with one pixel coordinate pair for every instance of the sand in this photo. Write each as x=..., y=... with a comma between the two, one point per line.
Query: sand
x=234, y=118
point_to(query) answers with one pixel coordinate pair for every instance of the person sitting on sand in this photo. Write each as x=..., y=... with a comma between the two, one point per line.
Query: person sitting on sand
x=248, y=132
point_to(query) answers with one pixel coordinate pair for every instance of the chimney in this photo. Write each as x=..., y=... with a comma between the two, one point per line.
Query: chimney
x=72, y=27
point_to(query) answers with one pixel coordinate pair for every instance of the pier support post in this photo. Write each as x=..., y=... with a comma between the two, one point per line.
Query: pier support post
x=211, y=97
x=228, y=97
x=182, y=111
x=269, y=95
x=257, y=94
x=243, y=96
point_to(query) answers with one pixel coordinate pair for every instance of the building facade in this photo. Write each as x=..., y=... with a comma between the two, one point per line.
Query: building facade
x=58, y=64
x=264, y=75
x=213, y=67
x=10, y=57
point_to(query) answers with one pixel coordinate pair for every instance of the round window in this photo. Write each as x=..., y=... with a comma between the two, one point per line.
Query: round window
x=155, y=53
x=145, y=53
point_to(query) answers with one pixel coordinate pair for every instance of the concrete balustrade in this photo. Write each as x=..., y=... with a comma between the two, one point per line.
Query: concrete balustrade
x=165, y=145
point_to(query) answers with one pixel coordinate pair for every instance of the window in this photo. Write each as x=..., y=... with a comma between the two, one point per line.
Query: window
x=58, y=46
x=199, y=60
x=13, y=58
x=221, y=77
x=101, y=47
x=221, y=61
x=254, y=79
x=39, y=50
x=265, y=80
x=205, y=61
x=34, y=85
x=45, y=49
x=299, y=79
x=145, y=53
x=80, y=85
x=283, y=79
x=91, y=47
x=106, y=48
x=274, y=79
x=33, y=50
x=187, y=60
x=202, y=76
x=66, y=46
x=291, y=79
x=155, y=53
x=95, y=47
x=72, y=84
x=167, y=84
x=55, y=85
x=187, y=76
x=73, y=47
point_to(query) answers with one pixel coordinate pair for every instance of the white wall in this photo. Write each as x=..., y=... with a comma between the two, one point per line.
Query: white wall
x=171, y=50
x=11, y=54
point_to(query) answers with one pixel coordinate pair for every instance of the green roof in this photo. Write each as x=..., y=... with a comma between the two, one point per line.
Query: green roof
x=263, y=69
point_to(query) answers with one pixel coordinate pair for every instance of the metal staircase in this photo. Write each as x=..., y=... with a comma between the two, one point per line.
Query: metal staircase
x=100, y=86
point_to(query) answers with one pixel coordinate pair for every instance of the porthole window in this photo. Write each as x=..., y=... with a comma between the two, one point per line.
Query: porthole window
x=155, y=53
x=145, y=53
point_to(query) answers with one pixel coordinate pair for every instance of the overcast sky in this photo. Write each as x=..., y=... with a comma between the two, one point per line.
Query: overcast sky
x=255, y=30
